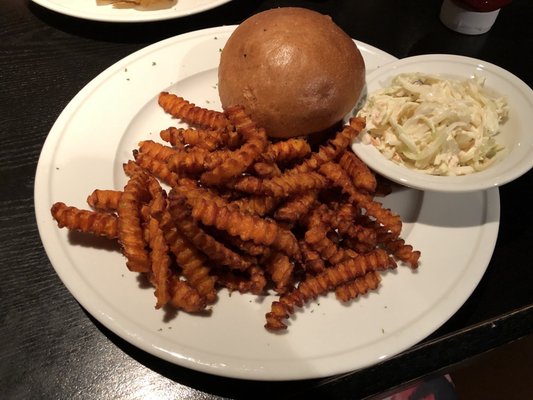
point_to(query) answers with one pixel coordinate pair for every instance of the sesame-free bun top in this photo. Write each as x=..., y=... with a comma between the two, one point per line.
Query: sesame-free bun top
x=294, y=70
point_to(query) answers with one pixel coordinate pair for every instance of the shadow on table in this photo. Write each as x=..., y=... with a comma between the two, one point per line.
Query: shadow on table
x=211, y=384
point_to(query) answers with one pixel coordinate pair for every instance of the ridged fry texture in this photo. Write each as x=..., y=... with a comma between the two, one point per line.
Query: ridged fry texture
x=215, y=204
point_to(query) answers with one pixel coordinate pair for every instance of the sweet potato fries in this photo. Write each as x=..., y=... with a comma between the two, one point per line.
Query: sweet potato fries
x=246, y=213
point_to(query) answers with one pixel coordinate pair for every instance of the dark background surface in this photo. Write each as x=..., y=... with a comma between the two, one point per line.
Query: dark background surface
x=50, y=348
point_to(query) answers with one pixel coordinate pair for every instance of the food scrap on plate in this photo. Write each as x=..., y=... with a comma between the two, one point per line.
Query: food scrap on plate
x=140, y=4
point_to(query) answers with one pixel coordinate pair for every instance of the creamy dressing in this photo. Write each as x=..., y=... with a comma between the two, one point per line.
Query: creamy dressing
x=435, y=125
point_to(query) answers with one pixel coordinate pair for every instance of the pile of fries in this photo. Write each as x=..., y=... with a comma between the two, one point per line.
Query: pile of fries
x=246, y=213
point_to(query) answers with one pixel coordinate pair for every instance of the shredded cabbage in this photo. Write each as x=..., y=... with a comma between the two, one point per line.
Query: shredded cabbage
x=434, y=125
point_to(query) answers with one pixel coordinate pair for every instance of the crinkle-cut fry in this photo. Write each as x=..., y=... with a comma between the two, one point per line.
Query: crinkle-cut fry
x=280, y=269
x=384, y=216
x=192, y=114
x=252, y=280
x=335, y=214
x=351, y=253
x=286, y=150
x=207, y=139
x=145, y=217
x=281, y=186
x=296, y=206
x=329, y=279
x=311, y=259
x=131, y=168
x=257, y=205
x=215, y=250
x=157, y=168
x=232, y=139
x=359, y=286
x=266, y=170
x=357, y=123
x=130, y=232
x=317, y=239
x=156, y=150
x=404, y=252
x=237, y=223
x=189, y=162
x=104, y=199
x=288, y=184
x=399, y=248
x=171, y=136
x=357, y=246
x=185, y=297
x=158, y=201
x=189, y=191
x=362, y=178
x=335, y=173
x=346, y=220
x=160, y=271
x=192, y=262
x=258, y=280
x=94, y=222
x=255, y=141
x=345, y=211
x=196, y=160
x=333, y=148
x=248, y=247
x=360, y=233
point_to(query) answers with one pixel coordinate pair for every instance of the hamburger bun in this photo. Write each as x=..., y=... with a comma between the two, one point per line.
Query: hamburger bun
x=294, y=70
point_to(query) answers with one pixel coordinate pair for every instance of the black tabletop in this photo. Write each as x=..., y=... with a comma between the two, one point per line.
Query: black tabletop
x=50, y=347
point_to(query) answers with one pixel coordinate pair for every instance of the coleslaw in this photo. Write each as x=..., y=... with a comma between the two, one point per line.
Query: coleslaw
x=434, y=125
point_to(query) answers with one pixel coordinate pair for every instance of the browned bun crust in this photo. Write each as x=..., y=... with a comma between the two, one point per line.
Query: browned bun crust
x=294, y=70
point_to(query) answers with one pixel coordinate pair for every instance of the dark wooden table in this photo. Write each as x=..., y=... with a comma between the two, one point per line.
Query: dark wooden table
x=50, y=348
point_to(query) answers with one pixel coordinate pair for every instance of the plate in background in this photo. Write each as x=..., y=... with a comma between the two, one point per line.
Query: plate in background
x=88, y=9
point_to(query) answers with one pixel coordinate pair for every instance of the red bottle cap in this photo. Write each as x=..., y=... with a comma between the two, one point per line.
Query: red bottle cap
x=485, y=5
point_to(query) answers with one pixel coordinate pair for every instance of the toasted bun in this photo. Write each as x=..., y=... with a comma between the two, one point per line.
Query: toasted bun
x=294, y=70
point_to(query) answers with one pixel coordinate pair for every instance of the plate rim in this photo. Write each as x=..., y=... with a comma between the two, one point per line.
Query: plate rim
x=418, y=180
x=143, y=16
x=44, y=222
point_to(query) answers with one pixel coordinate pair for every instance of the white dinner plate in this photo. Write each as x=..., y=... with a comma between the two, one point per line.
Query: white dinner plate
x=88, y=9
x=96, y=133
x=515, y=136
